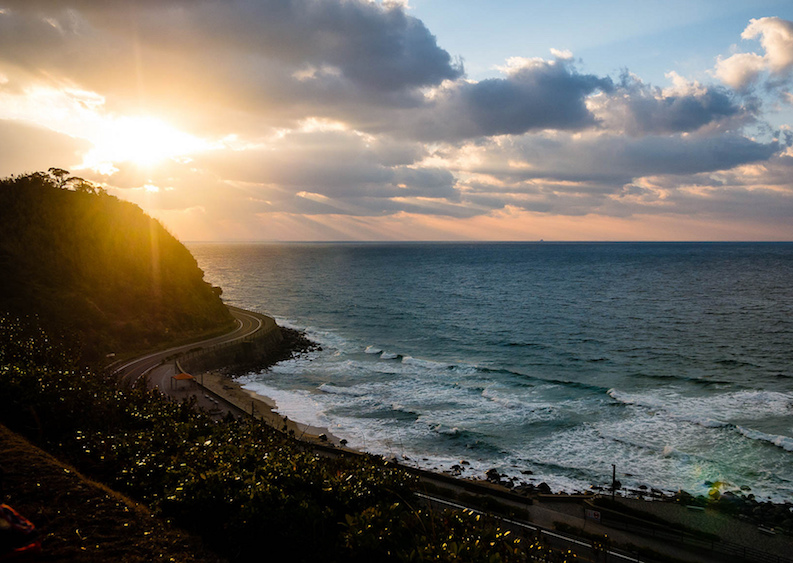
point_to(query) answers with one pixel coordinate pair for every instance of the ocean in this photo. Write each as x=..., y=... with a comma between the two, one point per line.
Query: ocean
x=546, y=361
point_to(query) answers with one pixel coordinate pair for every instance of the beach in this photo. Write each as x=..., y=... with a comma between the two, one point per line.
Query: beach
x=220, y=394
x=260, y=407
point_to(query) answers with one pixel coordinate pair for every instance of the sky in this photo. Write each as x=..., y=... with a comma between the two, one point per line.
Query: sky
x=244, y=120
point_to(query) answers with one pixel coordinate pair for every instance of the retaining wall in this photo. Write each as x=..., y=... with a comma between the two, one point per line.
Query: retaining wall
x=253, y=350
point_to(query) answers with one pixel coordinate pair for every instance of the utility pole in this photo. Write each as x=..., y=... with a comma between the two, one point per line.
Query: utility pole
x=613, y=482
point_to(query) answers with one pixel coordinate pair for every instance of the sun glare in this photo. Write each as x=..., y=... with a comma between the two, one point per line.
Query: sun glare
x=144, y=141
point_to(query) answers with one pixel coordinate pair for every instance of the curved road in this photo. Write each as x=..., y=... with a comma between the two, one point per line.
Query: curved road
x=248, y=323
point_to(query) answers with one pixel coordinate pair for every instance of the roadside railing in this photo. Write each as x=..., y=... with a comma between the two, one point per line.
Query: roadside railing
x=200, y=350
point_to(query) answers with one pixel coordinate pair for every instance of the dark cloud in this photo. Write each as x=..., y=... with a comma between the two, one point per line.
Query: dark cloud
x=248, y=65
x=617, y=159
x=380, y=48
x=296, y=54
x=620, y=176
x=675, y=114
x=541, y=95
x=640, y=109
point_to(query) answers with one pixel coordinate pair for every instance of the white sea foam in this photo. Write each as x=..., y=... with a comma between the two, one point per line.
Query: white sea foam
x=336, y=390
x=784, y=442
x=424, y=364
x=297, y=405
x=642, y=400
x=703, y=421
x=714, y=410
x=446, y=408
x=514, y=399
x=467, y=408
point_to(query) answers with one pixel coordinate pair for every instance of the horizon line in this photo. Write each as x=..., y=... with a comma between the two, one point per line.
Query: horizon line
x=479, y=241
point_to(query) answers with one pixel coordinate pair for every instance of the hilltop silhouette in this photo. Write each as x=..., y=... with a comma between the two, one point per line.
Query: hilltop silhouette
x=92, y=266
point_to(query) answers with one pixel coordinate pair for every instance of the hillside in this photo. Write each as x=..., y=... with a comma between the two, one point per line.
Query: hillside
x=86, y=521
x=98, y=268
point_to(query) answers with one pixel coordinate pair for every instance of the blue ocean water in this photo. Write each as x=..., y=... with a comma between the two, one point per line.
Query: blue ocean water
x=673, y=361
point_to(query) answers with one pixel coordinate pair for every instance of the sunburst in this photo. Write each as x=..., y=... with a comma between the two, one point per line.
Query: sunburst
x=143, y=141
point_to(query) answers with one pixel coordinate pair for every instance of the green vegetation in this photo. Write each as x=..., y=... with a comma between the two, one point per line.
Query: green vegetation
x=98, y=268
x=249, y=491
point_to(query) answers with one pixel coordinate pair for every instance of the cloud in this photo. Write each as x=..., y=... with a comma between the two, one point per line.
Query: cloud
x=535, y=95
x=616, y=159
x=612, y=175
x=567, y=174
x=776, y=37
x=246, y=66
x=378, y=47
x=741, y=70
x=334, y=164
x=639, y=109
x=312, y=171
x=308, y=111
x=28, y=148
x=266, y=60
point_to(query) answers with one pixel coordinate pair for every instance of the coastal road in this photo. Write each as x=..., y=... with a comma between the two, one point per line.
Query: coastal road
x=248, y=323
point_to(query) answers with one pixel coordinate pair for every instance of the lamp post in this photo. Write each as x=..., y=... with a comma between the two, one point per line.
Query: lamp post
x=614, y=483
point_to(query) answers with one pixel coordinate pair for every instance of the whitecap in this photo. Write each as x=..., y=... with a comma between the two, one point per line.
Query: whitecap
x=703, y=421
x=784, y=442
x=336, y=390
x=634, y=399
x=425, y=364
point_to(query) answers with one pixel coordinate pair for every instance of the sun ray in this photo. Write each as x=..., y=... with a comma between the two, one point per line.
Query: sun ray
x=144, y=141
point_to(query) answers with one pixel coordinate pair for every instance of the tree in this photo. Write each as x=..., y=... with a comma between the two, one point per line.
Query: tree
x=62, y=180
x=59, y=176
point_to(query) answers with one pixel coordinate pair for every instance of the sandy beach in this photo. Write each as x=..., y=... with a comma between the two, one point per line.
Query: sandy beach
x=259, y=406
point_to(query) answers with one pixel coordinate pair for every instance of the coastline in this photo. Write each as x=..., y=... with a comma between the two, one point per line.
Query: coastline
x=221, y=382
x=695, y=515
x=679, y=514
x=261, y=407
x=224, y=383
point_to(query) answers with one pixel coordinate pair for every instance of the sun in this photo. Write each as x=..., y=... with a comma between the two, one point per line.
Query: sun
x=142, y=140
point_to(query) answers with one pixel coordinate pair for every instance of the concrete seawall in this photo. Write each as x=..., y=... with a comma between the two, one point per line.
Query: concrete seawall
x=254, y=349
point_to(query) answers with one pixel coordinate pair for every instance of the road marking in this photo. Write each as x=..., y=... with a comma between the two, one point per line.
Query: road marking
x=131, y=366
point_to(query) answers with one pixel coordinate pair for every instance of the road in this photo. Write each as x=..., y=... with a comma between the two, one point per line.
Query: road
x=248, y=323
